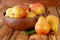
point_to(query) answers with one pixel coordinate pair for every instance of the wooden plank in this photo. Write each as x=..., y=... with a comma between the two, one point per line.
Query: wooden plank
x=19, y=35
x=2, y=10
x=5, y=32
x=58, y=10
x=53, y=11
x=36, y=36
x=52, y=37
x=58, y=36
x=1, y=23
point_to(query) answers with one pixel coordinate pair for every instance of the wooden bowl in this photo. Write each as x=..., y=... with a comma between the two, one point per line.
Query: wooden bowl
x=20, y=24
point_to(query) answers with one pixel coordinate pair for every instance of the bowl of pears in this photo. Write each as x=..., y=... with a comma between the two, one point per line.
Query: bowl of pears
x=23, y=17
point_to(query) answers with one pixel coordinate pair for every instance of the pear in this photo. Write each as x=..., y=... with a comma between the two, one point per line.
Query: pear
x=30, y=15
x=9, y=13
x=37, y=8
x=41, y=26
x=53, y=22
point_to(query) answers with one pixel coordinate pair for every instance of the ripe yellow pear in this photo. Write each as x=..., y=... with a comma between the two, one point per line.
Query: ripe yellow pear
x=37, y=8
x=9, y=13
x=53, y=21
x=42, y=27
x=15, y=12
x=30, y=15
x=18, y=11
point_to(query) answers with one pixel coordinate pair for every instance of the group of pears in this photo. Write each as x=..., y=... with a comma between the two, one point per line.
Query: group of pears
x=44, y=24
x=27, y=11
x=48, y=24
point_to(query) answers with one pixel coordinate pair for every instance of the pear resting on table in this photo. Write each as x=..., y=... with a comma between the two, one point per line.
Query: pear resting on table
x=46, y=25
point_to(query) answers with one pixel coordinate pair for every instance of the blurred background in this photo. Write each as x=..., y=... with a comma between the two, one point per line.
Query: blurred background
x=9, y=3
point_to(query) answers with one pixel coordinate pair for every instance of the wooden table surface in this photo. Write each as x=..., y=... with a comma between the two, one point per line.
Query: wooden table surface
x=7, y=33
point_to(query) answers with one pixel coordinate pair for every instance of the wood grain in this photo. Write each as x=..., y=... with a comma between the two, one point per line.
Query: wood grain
x=52, y=37
x=5, y=32
x=52, y=11
x=58, y=10
x=19, y=35
x=38, y=37
x=2, y=10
